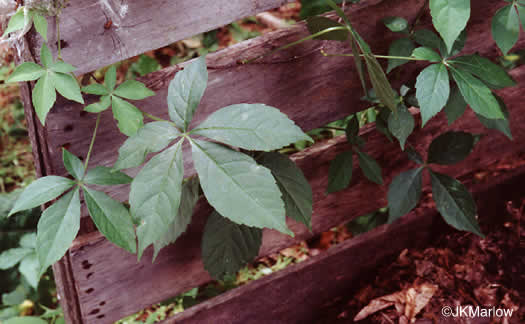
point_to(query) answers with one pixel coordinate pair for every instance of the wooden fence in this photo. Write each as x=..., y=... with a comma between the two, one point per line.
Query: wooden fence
x=100, y=283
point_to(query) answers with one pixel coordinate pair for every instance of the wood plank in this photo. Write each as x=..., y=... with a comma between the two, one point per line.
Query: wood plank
x=138, y=26
x=297, y=295
x=103, y=271
x=331, y=84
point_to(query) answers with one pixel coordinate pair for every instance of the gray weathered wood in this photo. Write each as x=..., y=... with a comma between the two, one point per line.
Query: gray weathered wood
x=300, y=293
x=102, y=271
x=137, y=26
x=292, y=80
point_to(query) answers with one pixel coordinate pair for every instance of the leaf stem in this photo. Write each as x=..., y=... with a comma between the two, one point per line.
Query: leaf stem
x=57, y=20
x=150, y=116
x=334, y=128
x=92, y=141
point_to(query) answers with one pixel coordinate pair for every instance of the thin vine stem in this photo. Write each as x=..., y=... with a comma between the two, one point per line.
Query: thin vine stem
x=150, y=116
x=57, y=21
x=92, y=141
x=408, y=58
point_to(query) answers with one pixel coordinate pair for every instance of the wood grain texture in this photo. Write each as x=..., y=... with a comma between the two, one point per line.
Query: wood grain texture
x=103, y=272
x=138, y=26
x=302, y=293
x=331, y=84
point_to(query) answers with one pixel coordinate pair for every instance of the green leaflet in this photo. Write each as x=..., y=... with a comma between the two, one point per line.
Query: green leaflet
x=414, y=155
x=252, y=127
x=492, y=74
x=455, y=106
x=96, y=89
x=28, y=241
x=25, y=320
x=370, y=167
x=111, y=218
x=426, y=53
x=401, y=124
x=30, y=268
x=133, y=90
x=454, y=203
x=427, y=38
x=105, y=176
x=11, y=257
x=404, y=193
x=314, y=7
x=237, y=187
x=318, y=23
x=73, y=164
x=450, y=147
x=399, y=47
x=477, y=95
x=506, y=28
x=57, y=228
x=129, y=117
x=227, y=246
x=155, y=195
x=396, y=24
x=340, y=172
x=296, y=191
x=67, y=86
x=41, y=191
x=185, y=92
x=502, y=125
x=27, y=71
x=40, y=24
x=153, y=137
x=432, y=90
x=17, y=22
x=384, y=91
x=44, y=96
x=103, y=104
x=62, y=67
x=189, y=197
x=450, y=17
x=110, y=78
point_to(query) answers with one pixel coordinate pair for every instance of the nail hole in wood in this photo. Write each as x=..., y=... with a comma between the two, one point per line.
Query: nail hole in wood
x=95, y=311
x=89, y=275
x=86, y=265
x=102, y=303
x=90, y=290
x=68, y=128
x=101, y=316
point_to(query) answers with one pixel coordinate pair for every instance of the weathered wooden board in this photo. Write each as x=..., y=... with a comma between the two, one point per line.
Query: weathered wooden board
x=330, y=84
x=103, y=272
x=299, y=293
x=96, y=33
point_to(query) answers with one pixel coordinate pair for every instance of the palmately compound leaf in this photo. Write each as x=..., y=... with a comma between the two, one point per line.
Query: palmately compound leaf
x=404, y=193
x=237, y=187
x=11, y=257
x=296, y=191
x=432, y=90
x=401, y=124
x=57, y=228
x=129, y=117
x=41, y=191
x=30, y=268
x=319, y=23
x=185, y=92
x=104, y=176
x=252, y=127
x=506, y=28
x=370, y=167
x=492, y=74
x=151, y=138
x=450, y=147
x=44, y=96
x=340, y=172
x=133, y=90
x=454, y=203
x=27, y=71
x=456, y=105
x=111, y=218
x=402, y=47
x=227, y=246
x=450, y=17
x=155, y=195
x=72, y=164
x=477, y=95
x=188, y=199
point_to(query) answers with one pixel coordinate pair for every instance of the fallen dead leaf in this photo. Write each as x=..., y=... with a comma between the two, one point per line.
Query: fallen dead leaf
x=408, y=302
